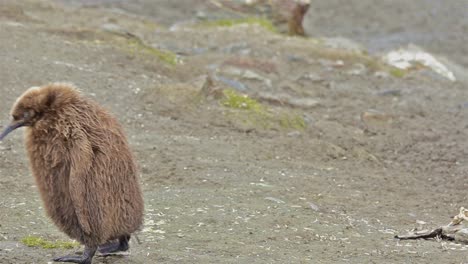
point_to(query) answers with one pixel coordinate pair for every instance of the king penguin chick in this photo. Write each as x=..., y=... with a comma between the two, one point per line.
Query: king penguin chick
x=83, y=167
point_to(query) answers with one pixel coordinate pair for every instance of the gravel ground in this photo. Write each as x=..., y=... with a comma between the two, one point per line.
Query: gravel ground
x=332, y=157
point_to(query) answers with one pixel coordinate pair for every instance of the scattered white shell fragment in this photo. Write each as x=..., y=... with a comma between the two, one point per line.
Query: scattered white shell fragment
x=313, y=207
x=276, y=200
x=261, y=184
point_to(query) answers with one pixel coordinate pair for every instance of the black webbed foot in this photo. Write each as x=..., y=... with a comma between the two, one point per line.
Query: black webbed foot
x=115, y=246
x=86, y=258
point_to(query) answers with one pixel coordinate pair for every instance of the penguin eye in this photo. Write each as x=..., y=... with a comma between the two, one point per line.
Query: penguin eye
x=15, y=117
x=26, y=115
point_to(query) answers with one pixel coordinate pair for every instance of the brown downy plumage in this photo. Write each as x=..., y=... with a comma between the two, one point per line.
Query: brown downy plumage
x=85, y=171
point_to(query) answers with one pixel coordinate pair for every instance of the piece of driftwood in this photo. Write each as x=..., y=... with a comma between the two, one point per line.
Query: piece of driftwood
x=454, y=231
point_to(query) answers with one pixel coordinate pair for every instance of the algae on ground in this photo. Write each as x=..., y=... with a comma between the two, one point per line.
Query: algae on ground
x=397, y=72
x=34, y=241
x=252, y=114
x=136, y=45
x=294, y=121
x=263, y=22
x=236, y=100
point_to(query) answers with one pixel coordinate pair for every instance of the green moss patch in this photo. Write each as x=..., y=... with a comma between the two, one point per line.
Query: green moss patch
x=292, y=121
x=236, y=100
x=398, y=73
x=137, y=45
x=34, y=241
x=248, y=113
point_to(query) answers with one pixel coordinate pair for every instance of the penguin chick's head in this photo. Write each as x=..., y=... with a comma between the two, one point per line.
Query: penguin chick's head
x=37, y=103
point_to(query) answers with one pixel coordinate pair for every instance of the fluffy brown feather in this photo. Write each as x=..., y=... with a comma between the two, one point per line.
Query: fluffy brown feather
x=82, y=164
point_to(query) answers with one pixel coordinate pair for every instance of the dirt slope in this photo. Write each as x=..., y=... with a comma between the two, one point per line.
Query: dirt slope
x=333, y=155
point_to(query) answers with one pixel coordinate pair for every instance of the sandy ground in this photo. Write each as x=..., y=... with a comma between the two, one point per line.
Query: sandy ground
x=336, y=162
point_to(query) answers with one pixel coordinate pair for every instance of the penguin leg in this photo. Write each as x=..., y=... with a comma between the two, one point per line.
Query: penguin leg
x=115, y=246
x=86, y=258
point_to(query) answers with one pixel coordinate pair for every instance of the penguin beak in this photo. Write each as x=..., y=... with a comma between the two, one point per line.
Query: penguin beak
x=11, y=127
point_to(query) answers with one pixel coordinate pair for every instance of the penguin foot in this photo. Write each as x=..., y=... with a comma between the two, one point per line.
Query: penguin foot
x=86, y=258
x=115, y=246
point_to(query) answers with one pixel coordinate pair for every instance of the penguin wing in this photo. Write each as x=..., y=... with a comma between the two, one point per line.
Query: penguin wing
x=81, y=155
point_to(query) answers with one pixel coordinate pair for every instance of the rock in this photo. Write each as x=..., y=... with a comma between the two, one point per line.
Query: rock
x=410, y=57
x=460, y=73
x=329, y=65
x=285, y=99
x=303, y=102
x=246, y=74
x=358, y=69
x=295, y=58
x=212, y=67
x=294, y=134
x=311, y=77
x=420, y=222
x=14, y=24
x=462, y=236
x=232, y=83
x=115, y=29
x=182, y=25
x=391, y=92
x=236, y=48
x=265, y=66
x=232, y=71
x=338, y=63
x=381, y=74
x=201, y=15
x=272, y=98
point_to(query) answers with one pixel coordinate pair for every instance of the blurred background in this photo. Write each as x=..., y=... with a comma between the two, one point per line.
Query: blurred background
x=440, y=26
